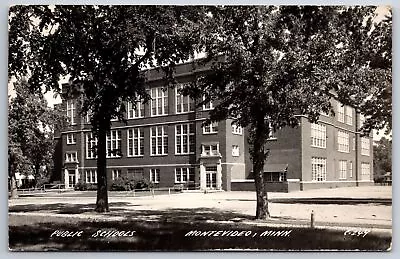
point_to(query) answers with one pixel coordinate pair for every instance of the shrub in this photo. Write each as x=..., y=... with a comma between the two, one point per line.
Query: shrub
x=144, y=184
x=128, y=184
x=91, y=186
x=81, y=186
x=119, y=184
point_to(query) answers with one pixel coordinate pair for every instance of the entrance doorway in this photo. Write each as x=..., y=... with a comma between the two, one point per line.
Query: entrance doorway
x=71, y=178
x=211, y=177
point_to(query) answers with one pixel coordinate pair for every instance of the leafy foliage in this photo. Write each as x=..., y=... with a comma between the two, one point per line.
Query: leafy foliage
x=83, y=186
x=129, y=184
x=103, y=50
x=30, y=134
x=270, y=64
x=382, y=157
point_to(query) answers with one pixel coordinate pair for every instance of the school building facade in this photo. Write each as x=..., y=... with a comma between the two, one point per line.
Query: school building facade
x=165, y=142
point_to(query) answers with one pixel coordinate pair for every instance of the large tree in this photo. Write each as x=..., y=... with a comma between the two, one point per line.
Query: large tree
x=30, y=135
x=382, y=157
x=103, y=50
x=270, y=64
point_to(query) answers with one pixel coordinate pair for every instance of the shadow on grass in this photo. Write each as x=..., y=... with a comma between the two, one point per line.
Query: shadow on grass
x=167, y=230
x=67, y=208
x=328, y=200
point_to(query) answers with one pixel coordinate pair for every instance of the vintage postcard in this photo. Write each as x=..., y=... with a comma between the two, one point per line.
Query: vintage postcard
x=200, y=128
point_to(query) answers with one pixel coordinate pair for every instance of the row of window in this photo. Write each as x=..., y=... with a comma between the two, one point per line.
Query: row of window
x=318, y=139
x=211, y=128
x=183, y=104
x=182, y=174
x=345, y=114
x=184, y=141
x=318, y=169
x=186, y=174
x=135, y=148
x=158, y=105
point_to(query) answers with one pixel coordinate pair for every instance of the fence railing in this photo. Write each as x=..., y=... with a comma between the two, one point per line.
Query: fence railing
x=384, y=183
x=135, y=192
x=44, y=188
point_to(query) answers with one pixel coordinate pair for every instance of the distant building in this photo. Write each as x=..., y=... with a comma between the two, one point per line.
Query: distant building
x=24, y=181
x=164, y=142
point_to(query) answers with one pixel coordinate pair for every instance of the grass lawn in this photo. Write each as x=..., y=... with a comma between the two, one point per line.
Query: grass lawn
x=176, y=230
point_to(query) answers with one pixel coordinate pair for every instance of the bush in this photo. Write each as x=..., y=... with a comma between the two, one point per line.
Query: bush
x=91, y=186
x=81, y=186
x=120, y=184
x=144, y=184
x=129, y=184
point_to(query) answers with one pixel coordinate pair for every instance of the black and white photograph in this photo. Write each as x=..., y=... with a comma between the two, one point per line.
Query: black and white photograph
x=199, y=128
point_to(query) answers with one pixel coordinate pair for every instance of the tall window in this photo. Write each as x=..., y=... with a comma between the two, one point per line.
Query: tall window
x=88, y=116
x=211, y=128
x=184, y=138
x=71, y=157
x=135, y=173
x=362, y=120
x=365, y=146
x=340, y=113
x=155, y=175
x=343, y=142
x=237, y=129
x=91, y=146
x=365, y=171
x=271, y=135
x=183, y=102
x=135, y=112
x=115, y=174
x=342, y=169
x=349, y=115
x=91, y=176
x=159, y=101
x=318, y=169
x=210, y=149
x=159, y=140
x=135, y=143
x=235, y=150
x=318, y=135
x=208, y=106
x=71, y=111
x=350, y=169
x=113, y=143
x=184, y=175
x=71, y=139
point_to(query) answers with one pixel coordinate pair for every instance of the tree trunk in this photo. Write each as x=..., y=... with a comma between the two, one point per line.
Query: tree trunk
x=259, y=156
x=13, y=187
x=102, y=194
x=262, y=211
x=13, y=180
